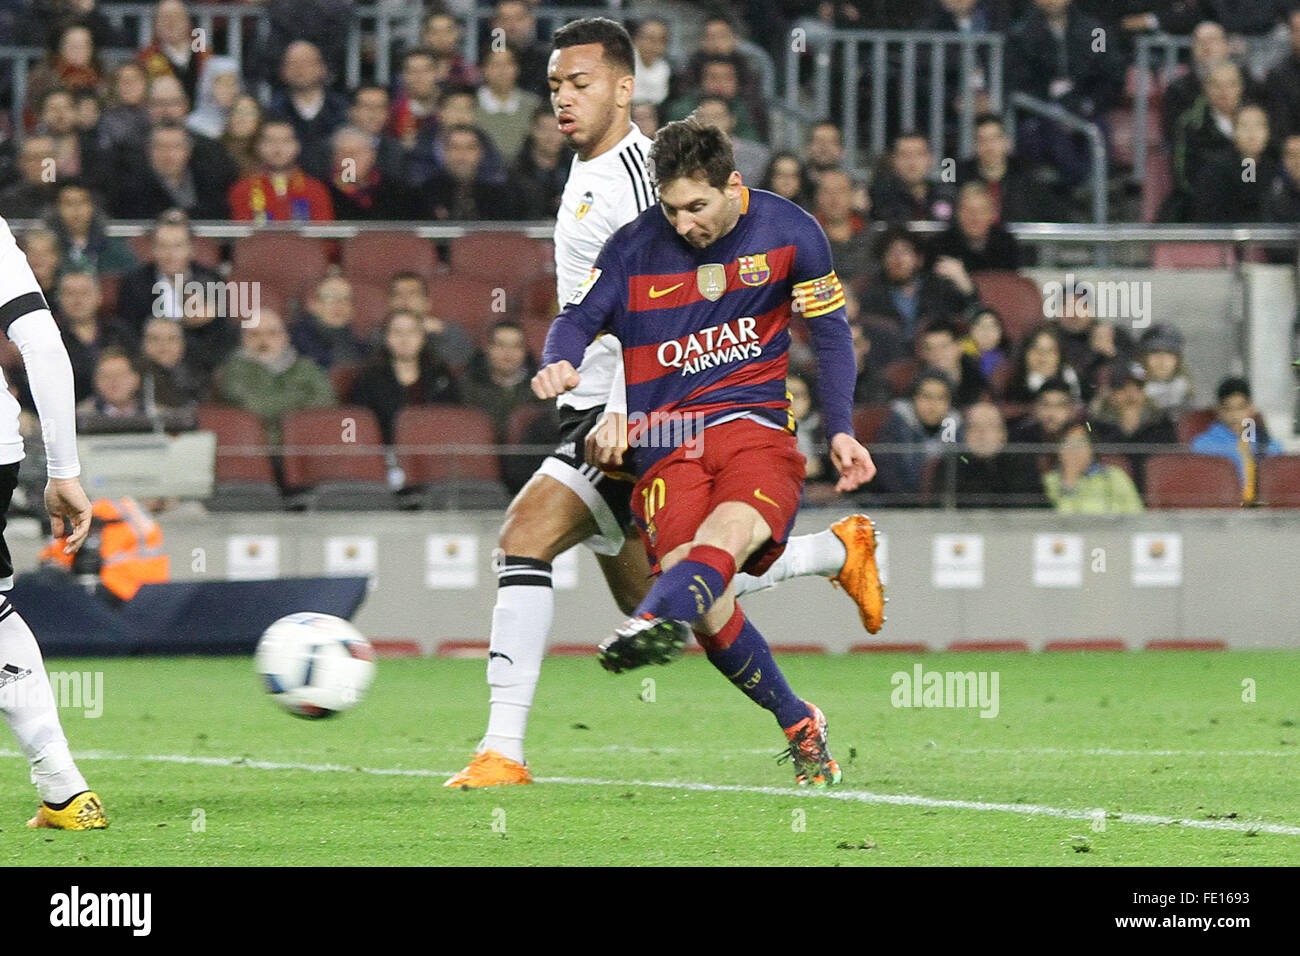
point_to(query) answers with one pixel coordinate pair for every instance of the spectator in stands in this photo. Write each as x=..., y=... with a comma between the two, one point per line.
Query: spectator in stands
x=323, y=332
x=927, y=423
x=497, y=379
x=751, y=157
x=1110, y=349
x=459, y=192
x=165, y=374
x=845, y=228
x=172, y=178
x=1283, y=84
x=73, y=64
x=460, y=108
x=82, y=230
x=407, y=370
x=542, y=167
x=1122, y=414
x=306, y=101
x=31, y=195
x=646, y=118
x=369, y=112
x=1209, y=47
x=516, y=21
x=409, y=291
x=870, y=387
x=168, y=104
x=903, y=191
x=809, y=433
x=1282, y=204
x=1052, y=55
x=268, y=377
x=240, y=138
x=76, y=151
x=1203, y=136
x=974, y=238
x=824, y=150
x=86, y=104
x=719, y=41
x=785, y=176
x=1235, y=186
x=325, y=24
x=1083, y=347
x=280, y=191
x=654, y=74
x=1016, y=193
x=358, y=187
x=149, y=290
x=1167, y=380
x=1054, y=407
x=967, y=16
x=219, y=90
x=84, y=332
x=172, y=52
x=42, y=249
x=1080, y=484
x=413, y=113
x=441, y=33
x=1239, y=434
x=125, y=119
x=908, y=294
x=116, y=393
x=211, y=338
x=986, y=341
x=986, y=474
x=718, y=78
x=1037, y=361
x=940, y=348
x=505, y=112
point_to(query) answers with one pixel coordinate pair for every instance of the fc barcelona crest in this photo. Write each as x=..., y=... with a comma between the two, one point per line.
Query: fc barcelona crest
x=754, y=270
x=712, y=281
x=585, y=206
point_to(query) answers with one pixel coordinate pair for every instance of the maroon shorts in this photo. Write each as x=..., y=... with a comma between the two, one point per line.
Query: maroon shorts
x=739, y=460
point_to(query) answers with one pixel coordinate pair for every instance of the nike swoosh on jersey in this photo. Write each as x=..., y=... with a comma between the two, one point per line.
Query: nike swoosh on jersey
x=657, y=293
x=762, y=497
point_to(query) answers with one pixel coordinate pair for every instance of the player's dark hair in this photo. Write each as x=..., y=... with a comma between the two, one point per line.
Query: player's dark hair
x=1233, y=386
x=688, y=149
x=612, y=37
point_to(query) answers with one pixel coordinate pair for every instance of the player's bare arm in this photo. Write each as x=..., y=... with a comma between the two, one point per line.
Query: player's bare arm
x=852, y=461
x=69, y=509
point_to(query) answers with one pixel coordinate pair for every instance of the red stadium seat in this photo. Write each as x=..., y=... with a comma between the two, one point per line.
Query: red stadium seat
x=457, y=477
x=244, y=477
x=867, y=420
x=467, y=301
x=1017, y=299
x=283, y=261
x=369, y=308
x=900, y=374
x=535, y=336
x=538, y=299
x=1119, y=461
x=342, y=378
x=1156, y=184
x=1191, y=255
x=334, y=459
x=503, y=258
x=1190, y=424
x=1279, y=481
x=109, y=285
x=373, y=257
x=1192, y=481
x=519, y=420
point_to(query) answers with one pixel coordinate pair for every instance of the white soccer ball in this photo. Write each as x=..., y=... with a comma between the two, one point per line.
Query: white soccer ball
x=315, y=665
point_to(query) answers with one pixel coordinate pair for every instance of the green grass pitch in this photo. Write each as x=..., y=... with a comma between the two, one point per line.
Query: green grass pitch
x=1093, y=759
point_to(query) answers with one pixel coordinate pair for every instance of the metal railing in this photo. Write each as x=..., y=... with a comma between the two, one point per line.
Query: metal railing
x=1100, y=171
x=1168, y=49
x=909, y=49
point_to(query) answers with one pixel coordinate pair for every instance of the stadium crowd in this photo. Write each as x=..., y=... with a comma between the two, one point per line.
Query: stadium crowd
x=174, y=133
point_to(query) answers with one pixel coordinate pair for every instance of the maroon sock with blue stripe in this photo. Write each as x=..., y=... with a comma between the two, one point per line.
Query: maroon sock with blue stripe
x=745, y=659
x=689, y=588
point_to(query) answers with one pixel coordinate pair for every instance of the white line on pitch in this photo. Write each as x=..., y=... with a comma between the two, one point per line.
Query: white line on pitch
x=855, y=796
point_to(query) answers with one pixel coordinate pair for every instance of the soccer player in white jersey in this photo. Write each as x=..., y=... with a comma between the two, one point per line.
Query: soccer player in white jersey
x=26, y=699
x=570, y=500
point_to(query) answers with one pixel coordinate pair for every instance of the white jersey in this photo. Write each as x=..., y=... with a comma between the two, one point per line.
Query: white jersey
x=25, y=318
x=602, y=194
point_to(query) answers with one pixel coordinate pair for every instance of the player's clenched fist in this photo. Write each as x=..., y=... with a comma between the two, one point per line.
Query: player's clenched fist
x=554, y=380
x=852, y=461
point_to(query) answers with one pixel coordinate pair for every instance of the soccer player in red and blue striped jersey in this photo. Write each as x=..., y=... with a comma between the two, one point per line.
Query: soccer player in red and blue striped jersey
x=700, y=292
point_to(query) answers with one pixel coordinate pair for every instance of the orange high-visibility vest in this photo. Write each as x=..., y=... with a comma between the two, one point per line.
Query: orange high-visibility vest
x=131, y=547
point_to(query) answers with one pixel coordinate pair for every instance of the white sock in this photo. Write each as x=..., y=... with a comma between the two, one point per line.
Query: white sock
x=27, y=704
x=821, y=553
x=521, y=622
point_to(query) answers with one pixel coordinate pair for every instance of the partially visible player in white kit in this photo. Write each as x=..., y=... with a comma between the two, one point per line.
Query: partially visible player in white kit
x=570, y=500
x=26, y=700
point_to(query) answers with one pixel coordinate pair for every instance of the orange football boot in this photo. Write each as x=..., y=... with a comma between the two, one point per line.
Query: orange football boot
x=860, y=578
x=490, y=768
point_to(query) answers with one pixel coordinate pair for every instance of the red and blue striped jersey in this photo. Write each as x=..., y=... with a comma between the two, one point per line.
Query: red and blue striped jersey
x=706, y=332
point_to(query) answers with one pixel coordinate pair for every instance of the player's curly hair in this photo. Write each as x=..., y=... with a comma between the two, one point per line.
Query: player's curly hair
x=691, y=148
